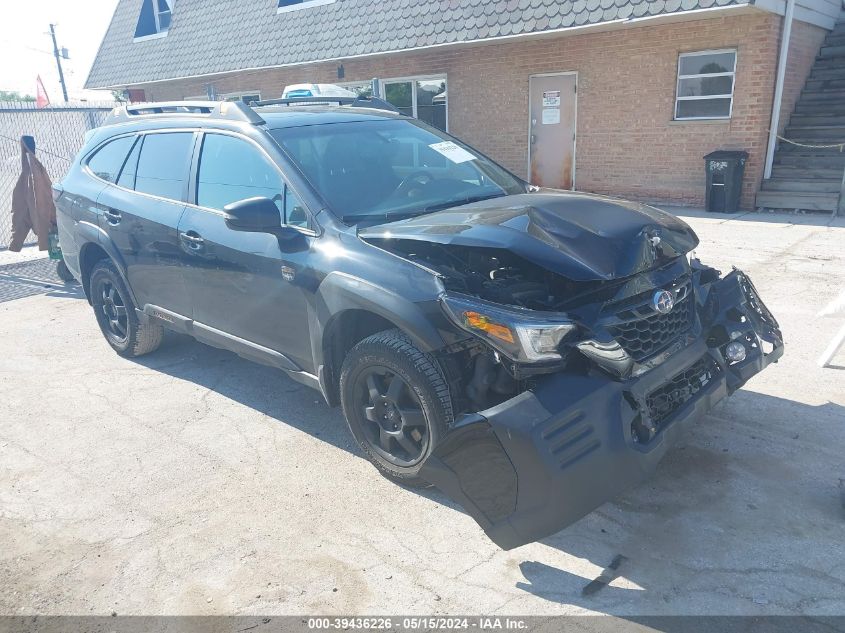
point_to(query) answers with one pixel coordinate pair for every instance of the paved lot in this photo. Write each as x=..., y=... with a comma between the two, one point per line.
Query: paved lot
x=193, y=482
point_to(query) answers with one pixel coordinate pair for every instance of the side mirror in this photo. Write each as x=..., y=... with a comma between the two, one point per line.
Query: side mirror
x=254, y=215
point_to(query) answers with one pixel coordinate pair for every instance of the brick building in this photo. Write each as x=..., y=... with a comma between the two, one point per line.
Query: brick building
x=622, y=97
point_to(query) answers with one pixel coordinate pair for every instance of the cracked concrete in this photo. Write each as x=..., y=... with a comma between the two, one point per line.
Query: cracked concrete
x=194, y=482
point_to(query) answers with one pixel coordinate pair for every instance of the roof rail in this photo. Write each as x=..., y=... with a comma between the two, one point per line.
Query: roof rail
x=355, y=102
x=227, y=110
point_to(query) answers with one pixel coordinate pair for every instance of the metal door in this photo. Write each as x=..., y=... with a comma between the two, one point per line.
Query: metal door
x=552, y=115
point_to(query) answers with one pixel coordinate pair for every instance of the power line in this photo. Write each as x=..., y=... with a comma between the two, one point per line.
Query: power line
x=37, y=149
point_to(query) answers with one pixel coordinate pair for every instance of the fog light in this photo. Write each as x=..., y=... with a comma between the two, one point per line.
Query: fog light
x=735, y=352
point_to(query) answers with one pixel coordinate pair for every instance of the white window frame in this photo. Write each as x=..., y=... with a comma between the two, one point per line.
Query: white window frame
x=227, y=96
x=303, y=5
x=239, y=95
x=157, y=17
x=732, y=74
x=413, y=79
x=157, y=13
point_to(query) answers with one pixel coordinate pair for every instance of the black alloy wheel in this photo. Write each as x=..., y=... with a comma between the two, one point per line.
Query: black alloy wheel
x=397, y=403
x=113, y=307
x=395, y=425
x=117, y=316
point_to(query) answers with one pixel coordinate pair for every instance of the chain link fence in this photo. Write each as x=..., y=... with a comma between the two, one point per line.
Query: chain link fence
x=58, y=133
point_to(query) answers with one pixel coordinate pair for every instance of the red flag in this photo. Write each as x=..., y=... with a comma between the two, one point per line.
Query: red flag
x=41, y=99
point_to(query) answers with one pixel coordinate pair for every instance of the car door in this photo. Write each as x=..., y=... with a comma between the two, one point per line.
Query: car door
x=252, y=286
x=140, y=214
x=79, y=200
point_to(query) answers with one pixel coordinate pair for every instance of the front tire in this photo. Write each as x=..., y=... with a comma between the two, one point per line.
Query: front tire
x=116, y=314
x=396, y=402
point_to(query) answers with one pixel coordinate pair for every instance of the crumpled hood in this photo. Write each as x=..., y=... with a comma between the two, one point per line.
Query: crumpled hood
x=581, y=236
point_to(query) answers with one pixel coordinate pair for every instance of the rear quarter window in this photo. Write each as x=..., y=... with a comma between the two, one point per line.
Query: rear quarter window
x=108, y=160
x=164, y=163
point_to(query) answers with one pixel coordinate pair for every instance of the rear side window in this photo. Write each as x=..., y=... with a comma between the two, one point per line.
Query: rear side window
x=108, y=160
x=232, y=169
x=164, y=163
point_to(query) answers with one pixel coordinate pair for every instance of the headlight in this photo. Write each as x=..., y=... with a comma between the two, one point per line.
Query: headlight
x=524, y=337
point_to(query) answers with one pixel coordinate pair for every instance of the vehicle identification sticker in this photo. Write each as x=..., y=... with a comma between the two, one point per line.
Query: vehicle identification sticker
x=453, y=152
x=551, y=116
x=551, y=99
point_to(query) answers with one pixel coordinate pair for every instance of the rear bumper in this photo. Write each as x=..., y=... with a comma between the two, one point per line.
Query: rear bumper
x=542, y=460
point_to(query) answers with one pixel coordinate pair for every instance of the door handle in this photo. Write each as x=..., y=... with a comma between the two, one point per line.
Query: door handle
x=192, y=239
x=113, y=216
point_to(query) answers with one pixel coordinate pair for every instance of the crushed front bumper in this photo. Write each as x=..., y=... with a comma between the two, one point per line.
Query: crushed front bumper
x=540, y=461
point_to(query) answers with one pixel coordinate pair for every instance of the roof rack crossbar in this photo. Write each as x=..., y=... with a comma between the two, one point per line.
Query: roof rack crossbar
x=228, y=110
x=355, y=102
x=233, y=110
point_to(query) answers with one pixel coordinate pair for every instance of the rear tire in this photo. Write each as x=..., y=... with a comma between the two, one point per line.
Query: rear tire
x=116, y=314
x=396, y=402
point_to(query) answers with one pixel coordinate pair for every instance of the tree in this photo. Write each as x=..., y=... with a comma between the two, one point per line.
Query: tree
x=14, y=95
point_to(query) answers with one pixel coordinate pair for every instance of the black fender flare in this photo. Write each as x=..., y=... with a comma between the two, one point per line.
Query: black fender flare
x=340, y=292
x=92, y=234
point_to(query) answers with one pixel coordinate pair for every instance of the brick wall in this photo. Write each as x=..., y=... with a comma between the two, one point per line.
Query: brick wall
x=804, y=45
x=627, y=142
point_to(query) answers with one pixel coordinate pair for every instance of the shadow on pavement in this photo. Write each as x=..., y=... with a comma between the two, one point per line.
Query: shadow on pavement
x=621, y=537
x=35, y=277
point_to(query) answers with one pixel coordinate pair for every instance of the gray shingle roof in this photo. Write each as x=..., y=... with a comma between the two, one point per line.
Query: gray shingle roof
x=212, y=36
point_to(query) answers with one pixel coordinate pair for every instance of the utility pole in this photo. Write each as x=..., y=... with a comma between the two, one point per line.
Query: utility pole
x=58, y=60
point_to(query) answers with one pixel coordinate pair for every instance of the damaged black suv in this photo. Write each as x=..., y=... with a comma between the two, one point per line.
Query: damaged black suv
x=530, y=352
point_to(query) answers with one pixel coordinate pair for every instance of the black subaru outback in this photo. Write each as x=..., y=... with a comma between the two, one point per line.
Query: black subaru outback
x=530, y=352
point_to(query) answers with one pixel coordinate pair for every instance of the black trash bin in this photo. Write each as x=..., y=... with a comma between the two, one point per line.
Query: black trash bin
x=724, y=170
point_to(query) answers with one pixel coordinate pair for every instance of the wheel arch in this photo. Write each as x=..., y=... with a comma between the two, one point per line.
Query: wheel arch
x=96, y=247
x=349, y=310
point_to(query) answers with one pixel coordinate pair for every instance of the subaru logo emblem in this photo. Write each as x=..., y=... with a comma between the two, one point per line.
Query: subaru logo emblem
x=663, y=301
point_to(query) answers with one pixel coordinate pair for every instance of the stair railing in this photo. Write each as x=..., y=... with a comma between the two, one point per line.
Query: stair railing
x=840, y=205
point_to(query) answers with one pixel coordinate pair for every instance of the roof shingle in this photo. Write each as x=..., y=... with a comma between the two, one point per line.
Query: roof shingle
x=215, y=36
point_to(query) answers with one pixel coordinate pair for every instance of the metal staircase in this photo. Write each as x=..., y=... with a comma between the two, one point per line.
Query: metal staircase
x=812, y=178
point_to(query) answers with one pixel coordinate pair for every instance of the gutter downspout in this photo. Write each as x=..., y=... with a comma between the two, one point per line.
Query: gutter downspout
x=778, y=101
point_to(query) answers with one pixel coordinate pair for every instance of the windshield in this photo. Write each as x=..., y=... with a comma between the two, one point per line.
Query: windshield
x=371, y=171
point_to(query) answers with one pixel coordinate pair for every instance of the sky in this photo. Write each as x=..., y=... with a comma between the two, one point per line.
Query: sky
x=27, y=50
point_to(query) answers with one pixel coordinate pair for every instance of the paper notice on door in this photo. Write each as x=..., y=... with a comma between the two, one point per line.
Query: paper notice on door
x=551, y=99
x=453, y=152
x=551, y=116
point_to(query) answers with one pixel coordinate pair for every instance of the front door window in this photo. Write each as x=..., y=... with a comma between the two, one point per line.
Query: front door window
x=232, y=169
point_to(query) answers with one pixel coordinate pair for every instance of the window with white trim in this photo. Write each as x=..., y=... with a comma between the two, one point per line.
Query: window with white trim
x=705, y=87
x=154, y=20
x=423, y=98
x=248, y=96
x=295, y=5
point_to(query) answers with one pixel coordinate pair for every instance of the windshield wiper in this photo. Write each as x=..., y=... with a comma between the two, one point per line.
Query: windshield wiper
x=387, y=215
x=462, y=201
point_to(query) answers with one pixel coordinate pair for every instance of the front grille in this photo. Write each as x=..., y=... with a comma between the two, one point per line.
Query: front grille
x=663, y=402
x=643, y=337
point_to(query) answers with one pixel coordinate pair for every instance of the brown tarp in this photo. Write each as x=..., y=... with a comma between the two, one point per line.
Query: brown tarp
x=32, y=202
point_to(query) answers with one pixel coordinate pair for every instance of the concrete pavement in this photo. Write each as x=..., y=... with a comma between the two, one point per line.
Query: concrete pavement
x=193, y=482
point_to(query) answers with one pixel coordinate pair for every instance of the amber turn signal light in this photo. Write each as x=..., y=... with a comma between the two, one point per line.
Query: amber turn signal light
x=478, y=321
